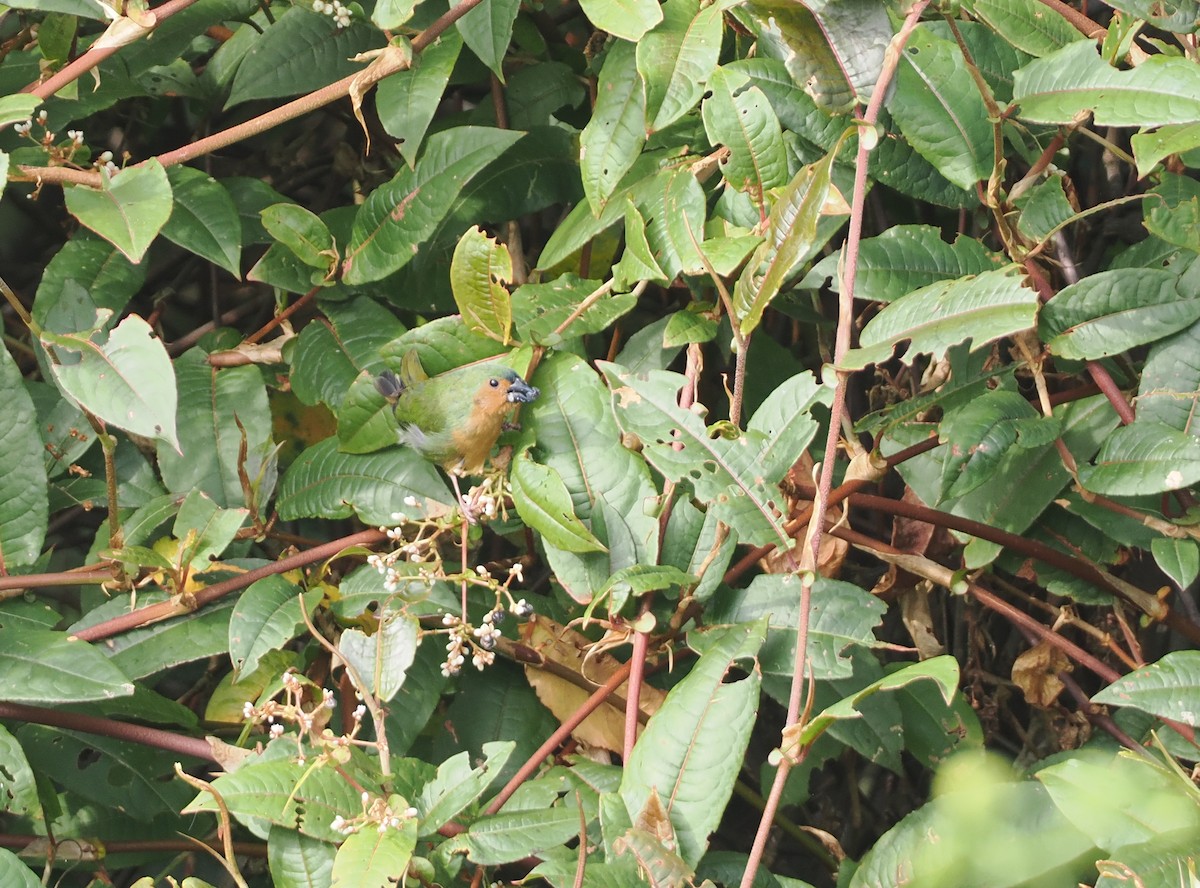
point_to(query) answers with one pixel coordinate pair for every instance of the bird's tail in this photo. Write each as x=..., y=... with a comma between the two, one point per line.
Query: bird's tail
x=389, y=385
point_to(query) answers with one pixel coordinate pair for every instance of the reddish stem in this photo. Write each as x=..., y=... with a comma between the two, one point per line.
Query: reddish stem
x=104, y=727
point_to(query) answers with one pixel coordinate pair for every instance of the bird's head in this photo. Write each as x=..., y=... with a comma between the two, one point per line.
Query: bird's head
x=499, y=389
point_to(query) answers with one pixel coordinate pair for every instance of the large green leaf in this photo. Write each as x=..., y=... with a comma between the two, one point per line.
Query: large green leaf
x=628, y=19
x=578, y=439
x=506, y=837
x=833, y=50
x=399, y=216
x=981, y=308
x=107, y=278
x=905, y=258
x=723, y=472
x=613, y=138
x=842, y=615
x=943, y=670
x=382, y=658
x=218, y=407
x=940, y=111
x=40, y=666
x=1145, y=457
x=126, y=379
x=302, y=51
x=479, y=271
x=290, y=794
x=128, y=210
x=407, y=100
x=738, y=116
x=544, y=503
x=14, y=872
x=676, y=58
x=326, y=361
x=1055, y=89
x=371, y=856
x=266, y=617
x=791, y=239
x=459, y=783
x=1114, y=311
x=691, y=750
x=325, y=483
x=23, y=496
x=204, y=219
x=1169, y=391
x=487, y=30
x=1029, y=25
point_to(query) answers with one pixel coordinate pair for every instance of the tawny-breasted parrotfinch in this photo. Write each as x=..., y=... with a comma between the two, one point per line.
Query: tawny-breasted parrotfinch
x=454, y=418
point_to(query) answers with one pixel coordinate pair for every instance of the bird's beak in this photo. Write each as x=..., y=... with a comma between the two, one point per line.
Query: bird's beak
x=521, y=392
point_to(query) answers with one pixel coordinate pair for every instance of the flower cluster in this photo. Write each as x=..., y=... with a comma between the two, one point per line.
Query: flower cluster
x=309, y=721
x=335, y=10
x=62, y=153
x=384, y=813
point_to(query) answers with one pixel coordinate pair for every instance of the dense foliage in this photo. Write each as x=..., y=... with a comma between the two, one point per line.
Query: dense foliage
x=926, y=274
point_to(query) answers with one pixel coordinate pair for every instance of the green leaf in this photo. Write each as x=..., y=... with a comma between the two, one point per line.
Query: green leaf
x=497, y=839
x=17, y=108
x=323, y=483
x=266, y=617
x=218, y=407
x=1175, y=215
x=205, y=529
x=1169, y=390
x=723, y=472
x=127, y=775
x=19, y=795
x=204, y=219
x=1167, y=688
x=301, y=52
x=674, y=210
x=1114, y=311
x=544, y=503
x=1058, y=87
x=981, y=308
x=1151, y=148
x=126, y=380
x=785, y=418
x=487, y=30
x=1178, y=15
x=93, y=264
x=540, y=309
x=288, y=794
x=382, y=659
x=692, y=748
x=638, y=579
x=842, y=615
x=791, y=240
x=905, y=258
x=940, y=111
x=578, y=437
x=627, y=19
x=365, y=421
x=1045, y=208
x=676, y=58
x=39, y=666
x=325, y=362
x=399, y=216
x=738, y=116
x=1178, y=559
x=458, y=785
x=23, y=496
x=613, y=138
x=151, y=649
x=302, y=232
x=943, y=670
x=407, y=100
x=372, y=856
x=128, y=210
x=979, y=435
x=478, y=273
x=1143, y=458
x=297, y=860
x=1029, y=25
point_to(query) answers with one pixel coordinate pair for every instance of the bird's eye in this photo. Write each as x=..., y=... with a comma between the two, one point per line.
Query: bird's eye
x=494, y=383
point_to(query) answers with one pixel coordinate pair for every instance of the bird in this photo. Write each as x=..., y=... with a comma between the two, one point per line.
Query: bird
x=453, y=419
